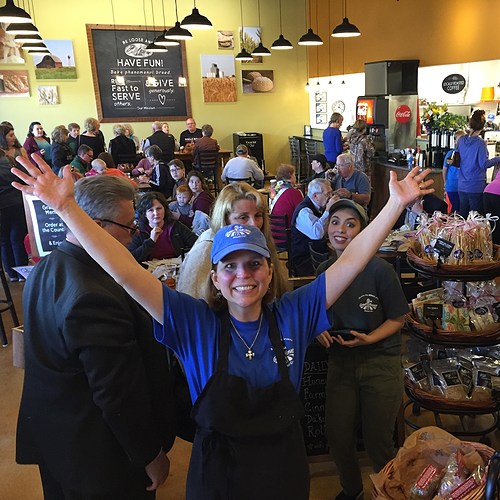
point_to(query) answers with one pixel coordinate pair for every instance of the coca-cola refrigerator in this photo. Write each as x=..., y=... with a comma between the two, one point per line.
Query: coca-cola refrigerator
x=397, y=113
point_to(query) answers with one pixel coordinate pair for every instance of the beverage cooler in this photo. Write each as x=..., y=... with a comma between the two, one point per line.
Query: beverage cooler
x=397, y=114
x=255, y=144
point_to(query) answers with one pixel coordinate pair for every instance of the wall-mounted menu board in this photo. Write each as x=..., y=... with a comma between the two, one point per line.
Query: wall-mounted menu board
x=151, y=90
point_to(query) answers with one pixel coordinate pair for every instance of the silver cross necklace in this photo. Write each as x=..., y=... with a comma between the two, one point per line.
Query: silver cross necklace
x=249, y=354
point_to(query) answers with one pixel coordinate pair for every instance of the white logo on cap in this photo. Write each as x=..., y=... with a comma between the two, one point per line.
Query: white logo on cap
x=238, y=232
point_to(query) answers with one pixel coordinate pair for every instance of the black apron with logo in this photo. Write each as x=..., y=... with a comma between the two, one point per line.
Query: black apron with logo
x=249, y=443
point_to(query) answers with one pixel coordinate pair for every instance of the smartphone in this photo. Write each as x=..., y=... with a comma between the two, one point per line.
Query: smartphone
x=345, y=333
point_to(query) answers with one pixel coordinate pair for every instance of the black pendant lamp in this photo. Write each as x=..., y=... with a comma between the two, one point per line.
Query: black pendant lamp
x=310, y=38
x=243, y=55
x=281, y=43
x=22, y=39
x=162, y=40
x=178, y=33
x=22, y=29
x=195, y=21
x=345, y=29
x=260, y=50
x=9, y=13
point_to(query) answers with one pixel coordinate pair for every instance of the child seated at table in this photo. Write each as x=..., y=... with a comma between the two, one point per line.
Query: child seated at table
x=98, y=168
x=182, y=205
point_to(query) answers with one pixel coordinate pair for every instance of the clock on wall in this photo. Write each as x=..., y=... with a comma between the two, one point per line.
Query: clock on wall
x=338, y=106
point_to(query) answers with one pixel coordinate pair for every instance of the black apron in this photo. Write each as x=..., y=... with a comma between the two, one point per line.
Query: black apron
x=249, y=443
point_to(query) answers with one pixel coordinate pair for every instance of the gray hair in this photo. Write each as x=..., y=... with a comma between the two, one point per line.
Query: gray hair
x=118, y=129
x=100, y=195
x=316, y=186
x=345, y=159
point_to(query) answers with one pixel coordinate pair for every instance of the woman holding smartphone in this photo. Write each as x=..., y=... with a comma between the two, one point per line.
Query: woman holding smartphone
x=365, y=381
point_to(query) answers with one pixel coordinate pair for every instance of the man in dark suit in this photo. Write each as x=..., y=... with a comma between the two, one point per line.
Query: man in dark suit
x=96, y=412
x=166, y=142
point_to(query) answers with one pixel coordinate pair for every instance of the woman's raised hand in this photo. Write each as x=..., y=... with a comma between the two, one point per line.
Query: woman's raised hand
x=408, y=190
x=43, y=183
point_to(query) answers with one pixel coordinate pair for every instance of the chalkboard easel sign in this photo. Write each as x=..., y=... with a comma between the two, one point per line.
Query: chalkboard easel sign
x=147, y=89
x=45, y=228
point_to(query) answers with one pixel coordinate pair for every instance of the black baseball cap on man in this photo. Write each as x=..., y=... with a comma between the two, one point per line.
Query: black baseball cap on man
x=321, y=158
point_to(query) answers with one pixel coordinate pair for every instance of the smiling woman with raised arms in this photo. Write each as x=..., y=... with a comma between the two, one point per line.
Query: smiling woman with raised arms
x=243, y=351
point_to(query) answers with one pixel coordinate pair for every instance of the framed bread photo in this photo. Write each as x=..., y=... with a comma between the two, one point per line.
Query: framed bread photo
x=257, y=82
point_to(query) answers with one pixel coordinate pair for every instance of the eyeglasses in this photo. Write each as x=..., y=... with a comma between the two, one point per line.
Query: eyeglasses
x=132, y=229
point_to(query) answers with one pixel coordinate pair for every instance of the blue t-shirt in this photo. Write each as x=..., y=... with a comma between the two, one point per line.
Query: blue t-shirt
x=451, y=184
x=191, y=329
x=332, y=142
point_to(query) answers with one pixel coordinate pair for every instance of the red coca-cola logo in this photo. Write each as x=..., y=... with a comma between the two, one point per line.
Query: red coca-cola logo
x=403, y=114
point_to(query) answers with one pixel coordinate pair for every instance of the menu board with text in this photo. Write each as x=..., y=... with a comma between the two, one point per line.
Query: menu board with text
x=132, y=83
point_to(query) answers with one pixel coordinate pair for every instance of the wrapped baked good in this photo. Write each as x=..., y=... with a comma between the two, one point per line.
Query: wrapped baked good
x=455, y=474
x=470, y=238
x=446, y=378
x=426, y=484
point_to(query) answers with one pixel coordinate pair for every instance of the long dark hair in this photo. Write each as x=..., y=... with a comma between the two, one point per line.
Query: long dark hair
x=30, y=130
x=145, y=202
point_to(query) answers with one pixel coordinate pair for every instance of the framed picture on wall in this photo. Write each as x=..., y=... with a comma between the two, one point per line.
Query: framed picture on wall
x=321, y=118
x=320, y=96
x=48, y=95
x=218, y=78
x=132, y=83
x=321, y=107
x=14, y=83
x=257, y=82
x=10, y=51
x=225, y=39
x=59, y=64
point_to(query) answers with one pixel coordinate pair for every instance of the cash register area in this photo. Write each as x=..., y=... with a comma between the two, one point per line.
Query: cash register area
x=22, y=482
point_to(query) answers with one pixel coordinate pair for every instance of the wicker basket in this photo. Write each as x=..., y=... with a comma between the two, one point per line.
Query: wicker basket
x=437, y=402
x=476, y=270
x=488, y=336
x=478, y=494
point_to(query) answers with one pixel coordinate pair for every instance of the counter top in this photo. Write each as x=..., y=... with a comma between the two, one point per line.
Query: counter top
x=385, y=163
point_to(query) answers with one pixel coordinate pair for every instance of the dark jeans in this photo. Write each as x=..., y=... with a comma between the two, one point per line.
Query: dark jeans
x=13, y=229
x=454, y=200
x=492, y=206
x=470, y=201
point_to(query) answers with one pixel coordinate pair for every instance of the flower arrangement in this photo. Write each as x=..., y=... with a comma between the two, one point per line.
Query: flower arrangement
x=437, y=116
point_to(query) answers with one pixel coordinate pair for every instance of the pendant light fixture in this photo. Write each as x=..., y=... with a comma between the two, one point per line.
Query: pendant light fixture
x=153, y=46
x=39, y=50
x=330, y=84
x=9, y=13
x=345, y=29
x=162, y=40
x=120, y=79
x=281, y=43
x=195, y=21
x=30, y=47
x=22, y=29
x=260, y=50
x=178, y=33
x=243, y=55
x=310, y=38
x=22, y=39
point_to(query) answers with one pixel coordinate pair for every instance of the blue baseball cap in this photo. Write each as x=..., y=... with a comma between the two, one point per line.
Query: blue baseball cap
x=238, y=237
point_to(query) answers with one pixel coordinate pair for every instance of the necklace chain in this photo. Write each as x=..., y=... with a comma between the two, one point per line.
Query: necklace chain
x=249, y=354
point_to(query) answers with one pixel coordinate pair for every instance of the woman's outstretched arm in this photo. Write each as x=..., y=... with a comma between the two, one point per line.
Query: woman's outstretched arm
x=364, y=246
x=111, y=255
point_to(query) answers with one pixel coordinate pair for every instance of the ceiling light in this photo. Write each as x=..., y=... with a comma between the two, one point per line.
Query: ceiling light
x=345, y=30
x=244, y=56
x=9, y=13
x=33, y=45
x=178, y=33
x=195, y=21
x=260, y=50
x=310, y=38
x=153, y=47
x=22, y=39
x=22, y=29
x=282, y=44
x=166, y=42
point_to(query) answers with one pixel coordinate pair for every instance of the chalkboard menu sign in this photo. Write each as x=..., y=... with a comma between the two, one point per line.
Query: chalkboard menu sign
x=313, y=395
x=45, y=228
x=132, y=83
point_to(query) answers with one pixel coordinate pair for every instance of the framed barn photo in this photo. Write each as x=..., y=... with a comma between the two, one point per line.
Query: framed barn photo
x=59, y=64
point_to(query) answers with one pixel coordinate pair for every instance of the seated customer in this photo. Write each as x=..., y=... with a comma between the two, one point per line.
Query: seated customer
x=81, y=162
x=159, y=236
x=160, y=180
x=242, y=167
x=309, y=225
x=319, y=166
x=178, y=173
x=202, y=200
x=98, y=168
x=287, y=197
x=183, y=205
x=351, y=183
x=204, y=143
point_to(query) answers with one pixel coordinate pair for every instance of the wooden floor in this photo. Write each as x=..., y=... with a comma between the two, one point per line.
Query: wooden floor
x=22, y=482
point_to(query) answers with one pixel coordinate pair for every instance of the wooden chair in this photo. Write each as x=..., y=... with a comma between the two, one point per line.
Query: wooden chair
x=311, y=150
x=319, y=253
x=207, y=161
x=282, y=235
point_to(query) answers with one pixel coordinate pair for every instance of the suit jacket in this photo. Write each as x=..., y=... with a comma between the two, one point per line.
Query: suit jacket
x=96, y=402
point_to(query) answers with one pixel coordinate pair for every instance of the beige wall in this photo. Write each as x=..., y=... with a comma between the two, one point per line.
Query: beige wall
x=434, y=31
x=275, y=115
